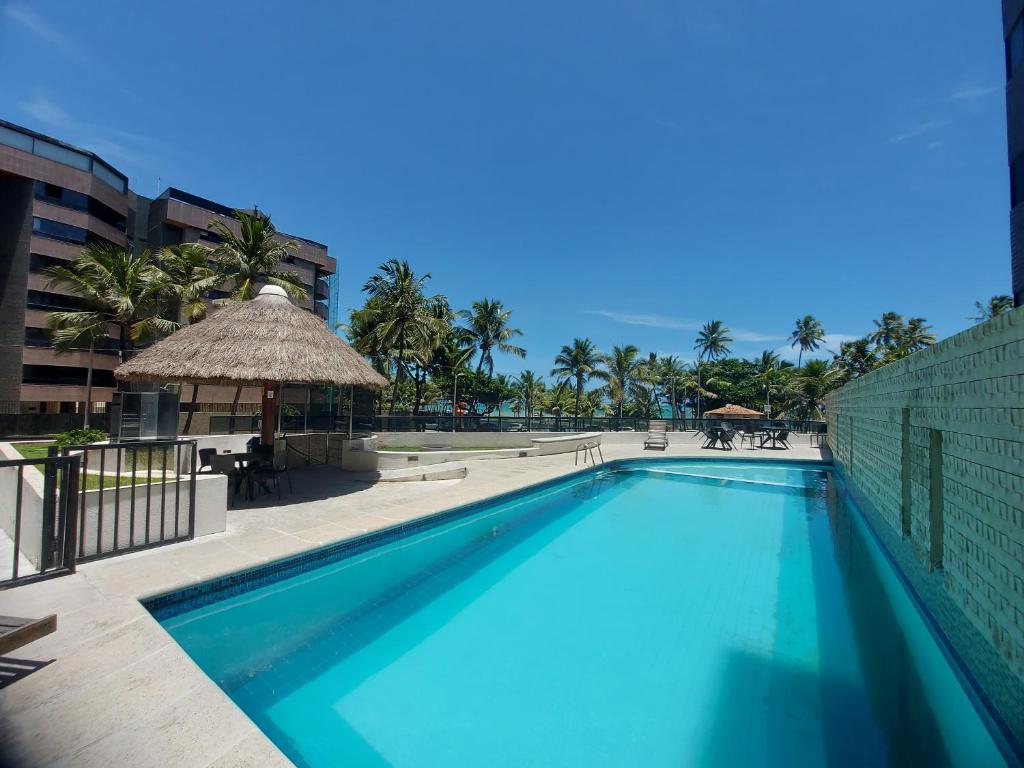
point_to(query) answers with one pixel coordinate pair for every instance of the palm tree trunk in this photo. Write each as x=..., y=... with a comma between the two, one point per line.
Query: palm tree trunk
x=579, y=394
x=235, y=410
x=800, y=357
x=88, y=385
x=191, y=409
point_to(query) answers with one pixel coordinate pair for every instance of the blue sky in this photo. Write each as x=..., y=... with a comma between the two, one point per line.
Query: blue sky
x=619, y=170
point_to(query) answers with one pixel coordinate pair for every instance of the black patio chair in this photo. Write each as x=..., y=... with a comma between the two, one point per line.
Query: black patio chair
x=205, y=462
x=784, y=438
x=725, y=437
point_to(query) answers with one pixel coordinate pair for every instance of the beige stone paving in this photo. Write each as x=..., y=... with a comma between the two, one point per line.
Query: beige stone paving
x=120, y=691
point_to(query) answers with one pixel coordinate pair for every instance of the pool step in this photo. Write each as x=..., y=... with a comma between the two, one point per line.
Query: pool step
x=448, y=470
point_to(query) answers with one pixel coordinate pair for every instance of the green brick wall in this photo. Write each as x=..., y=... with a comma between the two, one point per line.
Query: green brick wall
x=935, y=445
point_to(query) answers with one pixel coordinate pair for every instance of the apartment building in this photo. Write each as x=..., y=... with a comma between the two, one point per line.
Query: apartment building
x=54, y=198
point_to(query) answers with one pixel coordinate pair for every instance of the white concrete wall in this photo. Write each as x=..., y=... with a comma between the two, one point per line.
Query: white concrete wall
x=31, y=539
x=211, y=512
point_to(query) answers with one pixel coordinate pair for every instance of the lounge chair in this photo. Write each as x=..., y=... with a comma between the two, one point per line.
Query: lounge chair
x=657, y=435
x=15, y=632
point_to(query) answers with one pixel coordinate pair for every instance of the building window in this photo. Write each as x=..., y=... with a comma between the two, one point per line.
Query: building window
x=39, y=263
x=108, y=176
x=171, y=235
x=59, y=231
x=210, y=237
x=1015, y=47
x=47, y=300
x=67, y=375
x=61, y=155
x=51, y=193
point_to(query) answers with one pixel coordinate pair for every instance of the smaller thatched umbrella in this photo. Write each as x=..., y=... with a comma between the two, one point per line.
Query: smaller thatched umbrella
x=731, y=411
x=264, y=342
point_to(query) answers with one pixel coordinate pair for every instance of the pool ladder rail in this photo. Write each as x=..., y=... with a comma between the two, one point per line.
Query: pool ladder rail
x=585, y=448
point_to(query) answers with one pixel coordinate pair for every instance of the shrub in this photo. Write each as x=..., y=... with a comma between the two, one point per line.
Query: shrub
x=79, y=436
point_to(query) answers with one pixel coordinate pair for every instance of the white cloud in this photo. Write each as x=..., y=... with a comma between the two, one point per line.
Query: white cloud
x=653, y=321
x=921, y=129
x=35, y=24
x=971, y=92
x=741, y=335
x=112, y=144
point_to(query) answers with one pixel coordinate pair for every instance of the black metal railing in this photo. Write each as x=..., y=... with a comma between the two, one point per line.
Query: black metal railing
x=131, y=496
x=38, y=522
x=319, y=420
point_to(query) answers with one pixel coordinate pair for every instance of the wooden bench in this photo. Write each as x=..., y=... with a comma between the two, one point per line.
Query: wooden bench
x=15, y=632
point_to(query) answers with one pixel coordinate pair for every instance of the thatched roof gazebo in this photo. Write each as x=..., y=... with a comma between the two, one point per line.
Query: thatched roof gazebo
x=264, y=342
x=731, y=411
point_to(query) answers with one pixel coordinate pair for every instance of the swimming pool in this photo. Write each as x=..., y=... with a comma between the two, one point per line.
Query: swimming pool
x=657, y=613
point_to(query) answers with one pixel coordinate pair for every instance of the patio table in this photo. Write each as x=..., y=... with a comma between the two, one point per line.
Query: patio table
x=771, y=435
x=716, y=435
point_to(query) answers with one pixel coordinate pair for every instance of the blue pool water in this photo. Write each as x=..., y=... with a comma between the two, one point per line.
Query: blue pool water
x=670, y=613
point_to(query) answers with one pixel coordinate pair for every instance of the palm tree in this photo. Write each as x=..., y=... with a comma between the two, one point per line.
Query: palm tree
x=769, y=375
x=888, y=330
x=712, y=343
x=856, y=358
x=489, y=330
x=579, y=362
x=249, y=259
x=996, y=305
x=530, y=388
x=916, y=335
x=621, y=365
x=115, y=287
x=673, y=378
x=190, y=280
x=400, y=317
x=808, y=334
x=813, y=382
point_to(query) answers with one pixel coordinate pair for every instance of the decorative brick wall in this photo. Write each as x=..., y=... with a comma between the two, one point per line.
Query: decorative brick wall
x=935, y=445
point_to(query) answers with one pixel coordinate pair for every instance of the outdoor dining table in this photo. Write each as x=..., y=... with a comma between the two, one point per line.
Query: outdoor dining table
x=771, y=435
x=238, y=466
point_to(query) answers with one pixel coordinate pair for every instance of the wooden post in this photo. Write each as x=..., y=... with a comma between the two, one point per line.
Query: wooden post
x=269, y=407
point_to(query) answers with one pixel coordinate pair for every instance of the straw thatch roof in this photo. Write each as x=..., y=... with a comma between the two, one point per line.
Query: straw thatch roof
x=267, y=339
x=735, y=412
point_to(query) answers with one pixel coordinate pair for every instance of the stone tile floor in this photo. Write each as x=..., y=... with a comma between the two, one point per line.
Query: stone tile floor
x=119, y=690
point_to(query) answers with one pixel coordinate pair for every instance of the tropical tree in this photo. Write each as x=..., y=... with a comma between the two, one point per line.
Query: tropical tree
x=815, y=380
x=249, y=259
x=996, y=305
x=712, y=343
x=808, y=334
x=888, y=330
x=771, y=376
x=621, y=366
x=530, y=389
x=114, y=287
x=488, y=330
x=856, y=358
x=579, y=362
x=399, y=317
x=190, y=278
x=673, y=377
x=917, y=334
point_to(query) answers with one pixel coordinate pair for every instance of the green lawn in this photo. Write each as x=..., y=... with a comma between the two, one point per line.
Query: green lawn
x=108, y=480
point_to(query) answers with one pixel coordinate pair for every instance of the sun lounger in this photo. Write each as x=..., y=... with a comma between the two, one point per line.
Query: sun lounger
x=15, y=632
x=657, y=435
